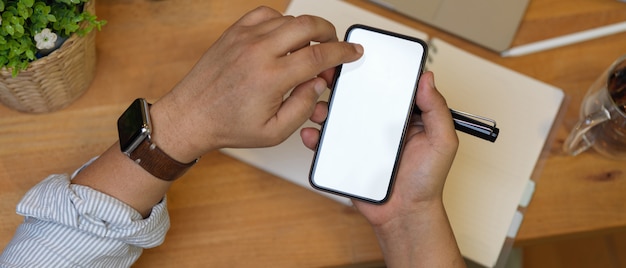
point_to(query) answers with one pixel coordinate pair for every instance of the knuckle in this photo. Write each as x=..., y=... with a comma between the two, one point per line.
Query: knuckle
x=234, y=35
x=317, y=56
x=305, y=22
x=264, y=10
x=273, y=138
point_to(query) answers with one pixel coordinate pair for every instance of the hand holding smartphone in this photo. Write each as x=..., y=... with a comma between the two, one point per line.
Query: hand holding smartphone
x=369, y=111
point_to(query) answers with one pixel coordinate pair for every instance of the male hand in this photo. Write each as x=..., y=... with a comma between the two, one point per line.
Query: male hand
x=412, y=226
x=235, y=95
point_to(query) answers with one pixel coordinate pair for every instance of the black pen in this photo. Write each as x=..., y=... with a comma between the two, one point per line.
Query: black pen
x=474, y=125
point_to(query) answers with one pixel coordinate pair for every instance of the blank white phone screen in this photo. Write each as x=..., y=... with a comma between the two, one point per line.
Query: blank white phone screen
x=368, y=111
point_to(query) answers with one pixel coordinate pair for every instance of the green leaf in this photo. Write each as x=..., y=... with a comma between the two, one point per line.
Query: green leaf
x=16, y=50
x=12, y=9
x=9, y=29
x=14, y=20
x=23, y=10
x=23, y=65
x=30, y=54
x=28, y=3
x=19, y=29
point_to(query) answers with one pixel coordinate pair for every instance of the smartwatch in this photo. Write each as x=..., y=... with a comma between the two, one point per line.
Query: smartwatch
x=134, y=128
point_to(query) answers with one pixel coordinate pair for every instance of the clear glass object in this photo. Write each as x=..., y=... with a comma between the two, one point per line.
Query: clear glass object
x=602, y=124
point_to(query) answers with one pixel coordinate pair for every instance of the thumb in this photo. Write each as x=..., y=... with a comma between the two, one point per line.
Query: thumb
x=436, y=115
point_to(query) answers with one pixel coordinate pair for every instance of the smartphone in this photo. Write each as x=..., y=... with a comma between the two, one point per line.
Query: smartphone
x=369, y=110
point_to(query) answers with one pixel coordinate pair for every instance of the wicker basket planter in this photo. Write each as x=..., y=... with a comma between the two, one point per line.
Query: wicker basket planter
x=54, y=81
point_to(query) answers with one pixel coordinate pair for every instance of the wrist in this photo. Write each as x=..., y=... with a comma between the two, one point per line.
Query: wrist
x=135, y=129
x=172, y=132
x=417, y=216
x=421, y=237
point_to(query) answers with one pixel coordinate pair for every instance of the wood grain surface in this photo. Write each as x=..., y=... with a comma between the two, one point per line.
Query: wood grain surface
x=226, y=213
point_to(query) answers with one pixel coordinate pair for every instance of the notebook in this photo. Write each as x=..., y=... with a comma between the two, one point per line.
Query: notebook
x=489, y=184
x=489, y=23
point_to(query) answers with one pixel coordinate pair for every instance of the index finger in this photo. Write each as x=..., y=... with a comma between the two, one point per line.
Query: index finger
x=300, y=31
x=258, y=15
x=312, y=60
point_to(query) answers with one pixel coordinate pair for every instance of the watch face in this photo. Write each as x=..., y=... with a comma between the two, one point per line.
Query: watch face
x=133, y=126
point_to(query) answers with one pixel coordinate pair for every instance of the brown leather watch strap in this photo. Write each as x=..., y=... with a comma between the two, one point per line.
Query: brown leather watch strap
x=157, y=162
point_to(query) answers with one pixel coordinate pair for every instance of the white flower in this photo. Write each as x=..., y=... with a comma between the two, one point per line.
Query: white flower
x=45, y=39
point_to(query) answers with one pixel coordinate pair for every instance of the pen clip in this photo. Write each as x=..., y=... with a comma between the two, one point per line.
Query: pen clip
x=475, y=125
x=479, y=126
x=489, y=123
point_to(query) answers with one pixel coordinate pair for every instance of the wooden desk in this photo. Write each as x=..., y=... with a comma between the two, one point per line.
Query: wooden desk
x=226, y=213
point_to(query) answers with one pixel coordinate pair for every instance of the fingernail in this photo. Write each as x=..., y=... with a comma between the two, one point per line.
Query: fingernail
x=319, y=86
x=431, y=81
x=358, y=48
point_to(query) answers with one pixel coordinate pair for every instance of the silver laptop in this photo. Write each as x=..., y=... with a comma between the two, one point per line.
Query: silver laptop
x=489, y=23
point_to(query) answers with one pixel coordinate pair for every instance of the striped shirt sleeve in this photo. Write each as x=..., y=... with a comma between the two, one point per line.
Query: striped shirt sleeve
x=69, y=225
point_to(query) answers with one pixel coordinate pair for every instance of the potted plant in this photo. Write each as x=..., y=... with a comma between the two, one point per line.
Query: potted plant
x=47, y=52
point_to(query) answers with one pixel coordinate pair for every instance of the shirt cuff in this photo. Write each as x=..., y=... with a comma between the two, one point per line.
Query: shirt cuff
x=55, y=199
